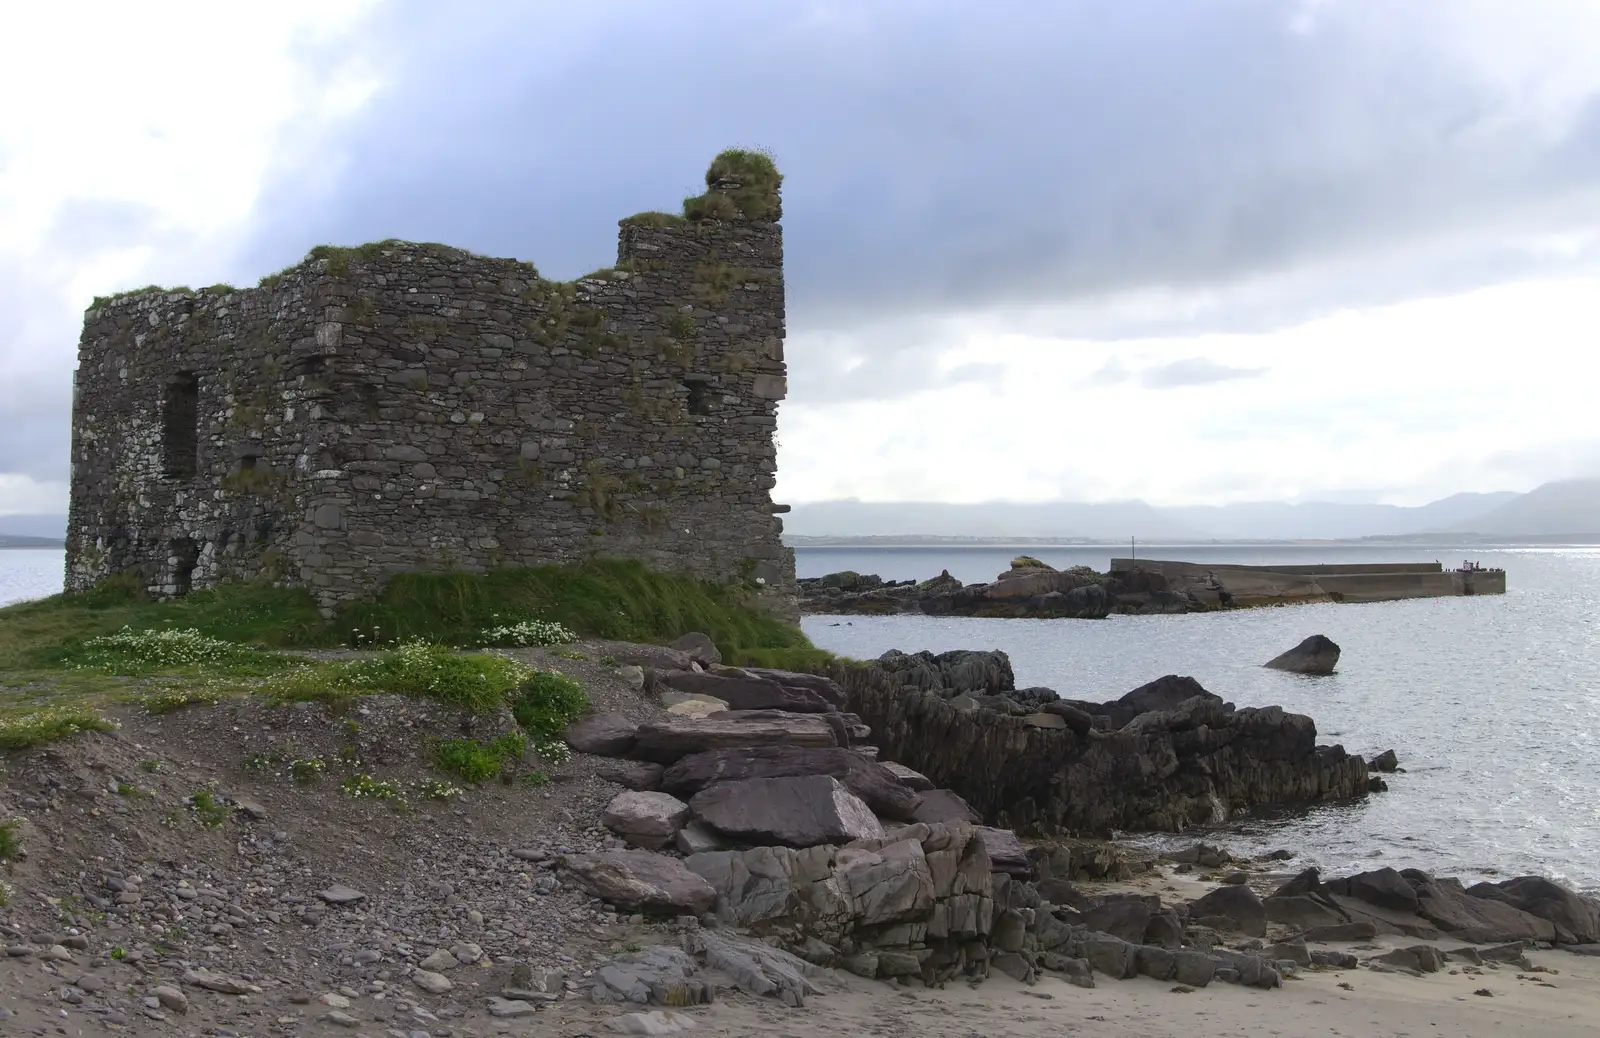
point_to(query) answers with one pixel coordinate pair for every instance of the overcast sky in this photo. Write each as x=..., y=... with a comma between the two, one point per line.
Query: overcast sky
x=1191, y=251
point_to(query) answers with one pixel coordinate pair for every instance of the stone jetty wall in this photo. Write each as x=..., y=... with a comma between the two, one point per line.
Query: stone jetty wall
x=403, y=406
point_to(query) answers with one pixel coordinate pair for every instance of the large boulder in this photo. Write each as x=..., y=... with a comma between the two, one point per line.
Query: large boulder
x=641, y=881
x=699, y=648
x=669, y=739
x=605, y=735
x=756, y=969
x=1457, y=912
x=1004, y=849
x=872, y=782
x=662, y=975
x=1576, y=918
x=749, y=692
x=797, y=811
x=1237, y=905
x=1318, y=654
x=942, y=805
x=1383, y=887
x=647, y=820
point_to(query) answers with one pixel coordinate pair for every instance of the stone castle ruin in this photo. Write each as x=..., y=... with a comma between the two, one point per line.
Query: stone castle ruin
x=399, y=407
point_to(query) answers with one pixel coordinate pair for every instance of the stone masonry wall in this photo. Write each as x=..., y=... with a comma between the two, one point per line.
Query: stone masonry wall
x=417, y=407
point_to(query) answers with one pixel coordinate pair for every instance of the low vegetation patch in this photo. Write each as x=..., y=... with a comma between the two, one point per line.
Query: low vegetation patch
x=10, y=840
x=476, y=761
x=64, y=658
x=546, y=704
x=24, y=730
x=525, y=633
x=131, y=653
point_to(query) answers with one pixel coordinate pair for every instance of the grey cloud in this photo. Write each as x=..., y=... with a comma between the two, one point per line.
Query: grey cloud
x=937, y=160
x=1193, y=371
x=84, y=226
x=1112, y=373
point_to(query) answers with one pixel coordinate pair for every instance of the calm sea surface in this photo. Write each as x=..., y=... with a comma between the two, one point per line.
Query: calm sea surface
x=1492, y=703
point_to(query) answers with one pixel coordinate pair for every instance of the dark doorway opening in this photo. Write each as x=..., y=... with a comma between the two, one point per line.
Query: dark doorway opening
x=185, y=555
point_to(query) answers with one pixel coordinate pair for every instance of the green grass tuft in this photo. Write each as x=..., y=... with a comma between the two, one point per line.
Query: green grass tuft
x=547, y=703
x=10, y=839
x=654, y=219
x=476, y=761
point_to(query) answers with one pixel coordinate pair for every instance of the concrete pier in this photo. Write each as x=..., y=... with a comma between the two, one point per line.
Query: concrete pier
x=1238, y=586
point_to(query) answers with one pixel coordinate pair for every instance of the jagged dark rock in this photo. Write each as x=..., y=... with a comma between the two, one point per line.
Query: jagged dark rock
x=1163, y=757
x=1237, y=906
x=1318, y=654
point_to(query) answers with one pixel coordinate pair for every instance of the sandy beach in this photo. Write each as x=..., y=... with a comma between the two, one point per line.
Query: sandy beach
x=1313, y=1005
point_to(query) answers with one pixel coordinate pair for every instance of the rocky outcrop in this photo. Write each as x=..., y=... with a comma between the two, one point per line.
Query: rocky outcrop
x=1413, y=903
x=1029, y=588
x=1163, y=757
x=1318, y=655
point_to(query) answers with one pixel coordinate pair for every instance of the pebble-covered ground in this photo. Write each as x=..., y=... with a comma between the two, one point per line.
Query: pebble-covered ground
x=198, y=872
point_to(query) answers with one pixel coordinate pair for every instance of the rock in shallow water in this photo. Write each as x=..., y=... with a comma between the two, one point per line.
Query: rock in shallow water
x=1318, y=654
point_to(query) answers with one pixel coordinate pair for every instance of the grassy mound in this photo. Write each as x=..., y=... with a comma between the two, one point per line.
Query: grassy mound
x=63, y=658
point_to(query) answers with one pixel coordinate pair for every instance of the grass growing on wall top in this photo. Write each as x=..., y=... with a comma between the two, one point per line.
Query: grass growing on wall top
x=756, y=197
x=608, y=598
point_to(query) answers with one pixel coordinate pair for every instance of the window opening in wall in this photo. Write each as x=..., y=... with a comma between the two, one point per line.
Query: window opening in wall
x=699, y=397
x=180, y=427
x=185, y=554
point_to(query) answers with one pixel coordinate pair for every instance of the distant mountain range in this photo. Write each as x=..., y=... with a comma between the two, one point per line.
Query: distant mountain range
x=32, y=531
x=1568, y=509
x=1552, y=510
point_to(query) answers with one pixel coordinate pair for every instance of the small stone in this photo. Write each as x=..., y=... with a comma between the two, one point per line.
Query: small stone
x=342, y=1019
x=440, y=960
x=432, y=983
x=467, y=953
x=90, y=983
x=662, y=1021
x=506, y=1007
x=250, y=808
x=334, y=1001
x=170, y=997
x=339, y=894
x=56, y=953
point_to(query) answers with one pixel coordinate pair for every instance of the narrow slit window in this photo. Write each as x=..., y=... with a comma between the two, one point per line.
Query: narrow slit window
x=180, y=427
x=699, y=397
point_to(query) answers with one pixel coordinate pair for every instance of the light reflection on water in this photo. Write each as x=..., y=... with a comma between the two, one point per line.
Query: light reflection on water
x=1492, y=703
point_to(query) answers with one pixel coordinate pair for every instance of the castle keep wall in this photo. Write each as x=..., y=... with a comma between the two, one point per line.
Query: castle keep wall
x=409, y=406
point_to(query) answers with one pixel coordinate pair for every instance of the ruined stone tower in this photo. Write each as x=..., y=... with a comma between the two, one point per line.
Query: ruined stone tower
x=404, y=406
